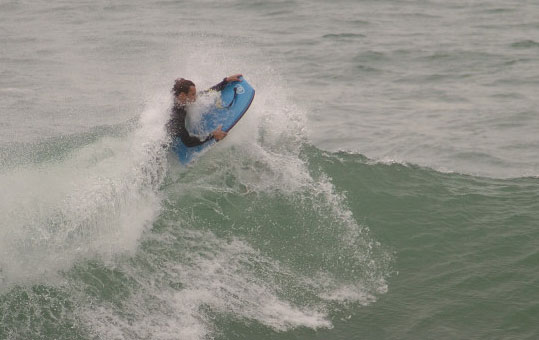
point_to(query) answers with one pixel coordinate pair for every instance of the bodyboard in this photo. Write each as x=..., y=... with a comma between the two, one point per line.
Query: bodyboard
x=228, y=109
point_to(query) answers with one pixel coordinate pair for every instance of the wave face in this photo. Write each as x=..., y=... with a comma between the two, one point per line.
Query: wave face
x=264, y=238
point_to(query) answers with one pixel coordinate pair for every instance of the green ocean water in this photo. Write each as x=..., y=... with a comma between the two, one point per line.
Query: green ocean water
x=389, y=251
x=383, y=184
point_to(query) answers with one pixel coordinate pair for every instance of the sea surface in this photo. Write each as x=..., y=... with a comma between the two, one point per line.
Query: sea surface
x=383, y=185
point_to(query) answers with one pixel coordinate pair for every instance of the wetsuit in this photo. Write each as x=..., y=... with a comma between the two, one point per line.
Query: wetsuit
x=176, y=125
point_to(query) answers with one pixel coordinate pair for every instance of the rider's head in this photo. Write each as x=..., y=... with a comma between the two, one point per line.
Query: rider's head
x=184, y=91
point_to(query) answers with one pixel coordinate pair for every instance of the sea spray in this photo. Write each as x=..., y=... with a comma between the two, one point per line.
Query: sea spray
x=94, y=202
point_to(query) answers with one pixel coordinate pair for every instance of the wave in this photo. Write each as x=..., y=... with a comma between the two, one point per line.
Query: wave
x=261, y=233
x=134, y=245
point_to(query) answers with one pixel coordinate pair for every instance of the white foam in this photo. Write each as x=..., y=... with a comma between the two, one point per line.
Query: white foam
x=218, y=277
x=95, y=202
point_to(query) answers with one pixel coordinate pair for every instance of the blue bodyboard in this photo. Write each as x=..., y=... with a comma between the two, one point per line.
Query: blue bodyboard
x=229, y=107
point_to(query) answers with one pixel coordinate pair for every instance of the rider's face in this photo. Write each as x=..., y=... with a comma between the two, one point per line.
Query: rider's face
x=192, y=94
x=189, y=97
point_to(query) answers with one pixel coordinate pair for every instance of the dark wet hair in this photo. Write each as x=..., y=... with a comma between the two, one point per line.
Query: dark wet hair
x=181, y=86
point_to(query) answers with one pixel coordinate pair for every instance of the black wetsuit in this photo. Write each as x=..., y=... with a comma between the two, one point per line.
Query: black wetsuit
x=176, y=125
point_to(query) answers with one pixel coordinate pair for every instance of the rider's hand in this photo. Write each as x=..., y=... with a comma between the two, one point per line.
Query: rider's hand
x=218, y=133
x=235, y=77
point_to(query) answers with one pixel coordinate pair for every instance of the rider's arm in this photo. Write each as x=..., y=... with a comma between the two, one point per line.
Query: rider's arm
x=217, y=87
x=186, y=138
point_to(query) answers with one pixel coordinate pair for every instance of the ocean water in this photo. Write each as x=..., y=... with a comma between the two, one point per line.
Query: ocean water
x=383, y=185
